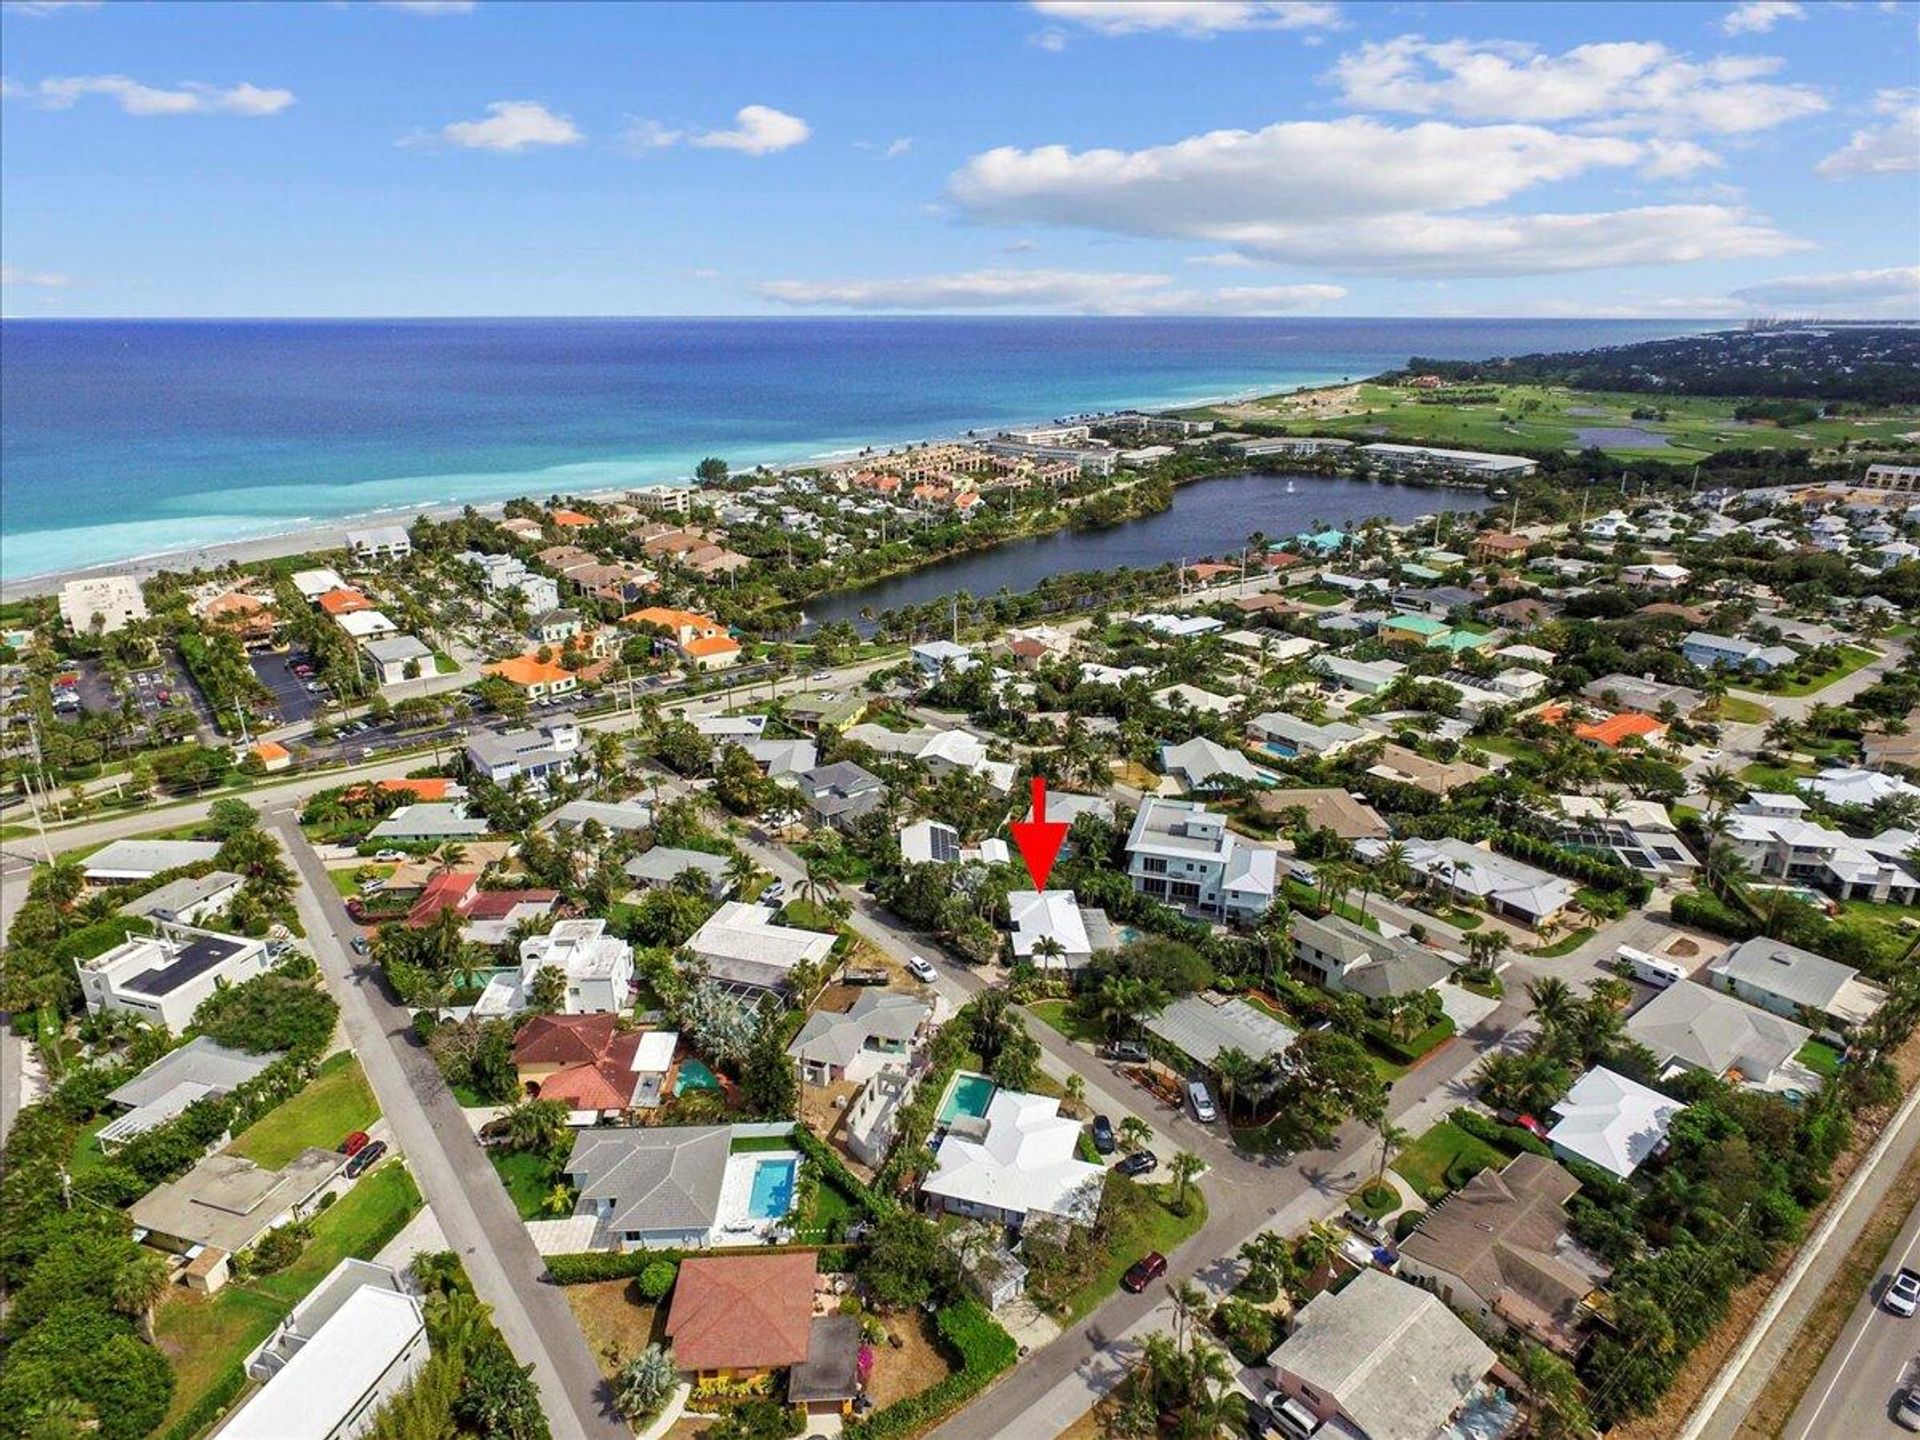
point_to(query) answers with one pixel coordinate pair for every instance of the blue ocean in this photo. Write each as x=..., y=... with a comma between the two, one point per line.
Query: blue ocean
x=125, y=439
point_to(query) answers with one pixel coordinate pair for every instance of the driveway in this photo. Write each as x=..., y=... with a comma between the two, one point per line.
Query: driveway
x=465, y=1193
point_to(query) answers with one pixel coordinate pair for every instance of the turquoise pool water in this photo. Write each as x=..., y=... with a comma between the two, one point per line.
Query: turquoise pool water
x=772, y=1195
x=693, y=1075
x=967, y=1095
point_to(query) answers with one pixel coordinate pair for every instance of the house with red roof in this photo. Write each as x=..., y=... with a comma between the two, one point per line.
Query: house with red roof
x=742, y=1315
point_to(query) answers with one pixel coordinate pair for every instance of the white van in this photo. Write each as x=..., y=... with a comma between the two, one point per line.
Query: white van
x=1201, y=1103
x=1651, y=969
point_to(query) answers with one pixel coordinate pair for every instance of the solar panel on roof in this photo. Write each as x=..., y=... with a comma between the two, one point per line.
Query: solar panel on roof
x=192, y=959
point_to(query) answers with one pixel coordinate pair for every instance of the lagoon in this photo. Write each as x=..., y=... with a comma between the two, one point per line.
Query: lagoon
x=1208, y=518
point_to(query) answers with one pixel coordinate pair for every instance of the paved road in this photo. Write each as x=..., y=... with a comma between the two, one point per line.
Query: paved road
x=480, y=1222
x=1854, y=1392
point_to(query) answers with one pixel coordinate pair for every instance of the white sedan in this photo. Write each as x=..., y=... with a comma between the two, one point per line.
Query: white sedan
x=924, y=972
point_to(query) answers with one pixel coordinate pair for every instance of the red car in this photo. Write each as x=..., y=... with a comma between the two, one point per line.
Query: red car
x=354, y=1143
x=1144, y=1271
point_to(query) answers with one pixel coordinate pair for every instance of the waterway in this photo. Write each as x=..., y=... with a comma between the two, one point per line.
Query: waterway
x=1208, y=518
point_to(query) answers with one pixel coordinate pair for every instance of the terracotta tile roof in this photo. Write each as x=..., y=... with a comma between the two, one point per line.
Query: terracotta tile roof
x=498, y=904
x=564, y=1039
x=742, y=1312
x=1628, y=724
x=530, y=670
x=607, y=1083
x=272, y=750
x=451, y=889
x=668, y=619
x=570, y=518
x=423, y=787
x=343, y=602
x=711, y=645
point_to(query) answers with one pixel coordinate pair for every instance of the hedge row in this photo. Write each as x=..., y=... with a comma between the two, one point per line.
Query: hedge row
x=1408, y=1052
x=1501, y=1137
x=590, y=1266
x=226, y=1387
x=984, y=1351
x=1708, y=912
x=829, y=1163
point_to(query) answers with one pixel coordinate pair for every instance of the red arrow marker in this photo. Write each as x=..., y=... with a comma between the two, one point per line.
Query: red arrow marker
x=1039, y=839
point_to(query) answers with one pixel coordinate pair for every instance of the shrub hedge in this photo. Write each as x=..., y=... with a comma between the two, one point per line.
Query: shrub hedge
x=590, y=1266
x=835, y=1169
x=983, y=1349
x=1514, y=1138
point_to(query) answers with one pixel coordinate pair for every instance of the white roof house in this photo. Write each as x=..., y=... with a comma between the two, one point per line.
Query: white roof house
x=1510, y=886
x=1038, y=915
x=144, y=859
x=1381, y=1359
x=312, y=584
x=1024, y=1163
x=1611, y=1121
x=1200, y=763
x=366, y=624
x=1179, y=627
x=1697, y=1028
x=345, y=1350
x=1201, y=1026
x=742, y=945
x=1848, y=786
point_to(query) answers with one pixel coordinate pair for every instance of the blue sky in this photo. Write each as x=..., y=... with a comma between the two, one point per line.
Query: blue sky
x=1062, y=156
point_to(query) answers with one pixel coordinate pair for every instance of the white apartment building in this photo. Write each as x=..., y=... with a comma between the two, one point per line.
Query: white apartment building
x=163, y=978
x=115, y=600
x=1180, y=853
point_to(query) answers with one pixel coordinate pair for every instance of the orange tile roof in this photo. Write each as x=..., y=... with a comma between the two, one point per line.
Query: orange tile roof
x=570, y=518
x=711, y=645
x=272, y=750
x=525, y=670
x=670, y=619
x=1628, y=724
x=742, y=1312
x=344, y=602
x=425, y=787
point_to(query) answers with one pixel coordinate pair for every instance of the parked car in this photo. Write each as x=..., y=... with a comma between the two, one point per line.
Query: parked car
x=1907, y=1412
x=1200, y=1101
x=822, y=675
x=497, y=1131
x=361, y=947
x=1144, y=1271
x=1140, y=1162
x=774, y=893
x=922, y=971
x=367, y=1157
x=1103, y=1143
x=389, y=854
x=1903, y=1292
x=354, y=1143
x=1127, y=1052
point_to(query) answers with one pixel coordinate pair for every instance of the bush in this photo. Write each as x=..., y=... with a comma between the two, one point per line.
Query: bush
x=277, y=1249
x=591, y=1266
x=210, y=1406
x=835, y=1172
x=1511, y=1138
x=1405, y=1223
x=1406, y=1052
x=656, y=1280
x=983, y=1350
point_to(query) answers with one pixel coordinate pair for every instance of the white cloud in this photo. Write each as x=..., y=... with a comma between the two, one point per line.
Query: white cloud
x=47, y=7
x=512, y=126
x=431, y=7
x=892, y=150
x=758, y=130
x=1360, y=195
x=1881, y=150
x=644, y=135
x=63, y=92
x=1222, y=260
x=1894, y=291
x=1757, y=17
x=1196, y=18
x=1624, y=85
x=39, y=279
x=1677, y=159
x=1090, y=292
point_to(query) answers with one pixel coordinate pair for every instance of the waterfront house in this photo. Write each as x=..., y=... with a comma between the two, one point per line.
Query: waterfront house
x=382, y=542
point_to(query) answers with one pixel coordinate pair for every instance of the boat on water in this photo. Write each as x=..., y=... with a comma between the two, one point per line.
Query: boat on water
x=1290, y=488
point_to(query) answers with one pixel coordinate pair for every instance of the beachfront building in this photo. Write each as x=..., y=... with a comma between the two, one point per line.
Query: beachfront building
x=382, y=542
x=101, y=604
x=1181, y=853
x=163, y=978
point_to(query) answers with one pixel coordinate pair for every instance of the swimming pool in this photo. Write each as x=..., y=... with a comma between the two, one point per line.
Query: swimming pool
x=967, y=1095
x=772, y=1194
x=693, y=1075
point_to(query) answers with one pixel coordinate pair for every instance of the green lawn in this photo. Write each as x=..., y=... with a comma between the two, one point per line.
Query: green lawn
x=1852, y=658
x=347, y=882
x=1821, y=1058
x=808, y=916
x=203, y=1336
x=87, y=1156
x=1776, y=778
x=1735, y=710
x=529, y=1179
x=1446, y=1147
x=748, y=1144
x=1316, y=595
x=1565, y=945
x=1152, y=1225
x=335, y=1103
x=1059, y=1015
x=1375, y=1198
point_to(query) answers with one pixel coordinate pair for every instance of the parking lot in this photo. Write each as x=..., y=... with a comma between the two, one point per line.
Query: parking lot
x=291, y=698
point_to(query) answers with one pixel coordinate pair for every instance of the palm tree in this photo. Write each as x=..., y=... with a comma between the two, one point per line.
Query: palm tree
x=1215, y=1406
x=138, y=1286
x=1235, y=1070
x=1189, y=1303
x=1317, y=1246
x=1135, y=1133
x=1391, y=1138
x=449, y=857
x=1047, y=949
x=814, y=883
x=1186, y=1165
x=1553, y=1001
x=1269, y=1257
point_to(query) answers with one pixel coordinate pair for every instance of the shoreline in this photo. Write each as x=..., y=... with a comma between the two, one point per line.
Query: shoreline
x=331, y=534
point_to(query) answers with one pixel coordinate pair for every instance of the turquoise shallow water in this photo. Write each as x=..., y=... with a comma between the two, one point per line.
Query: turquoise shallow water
x=121, y=439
